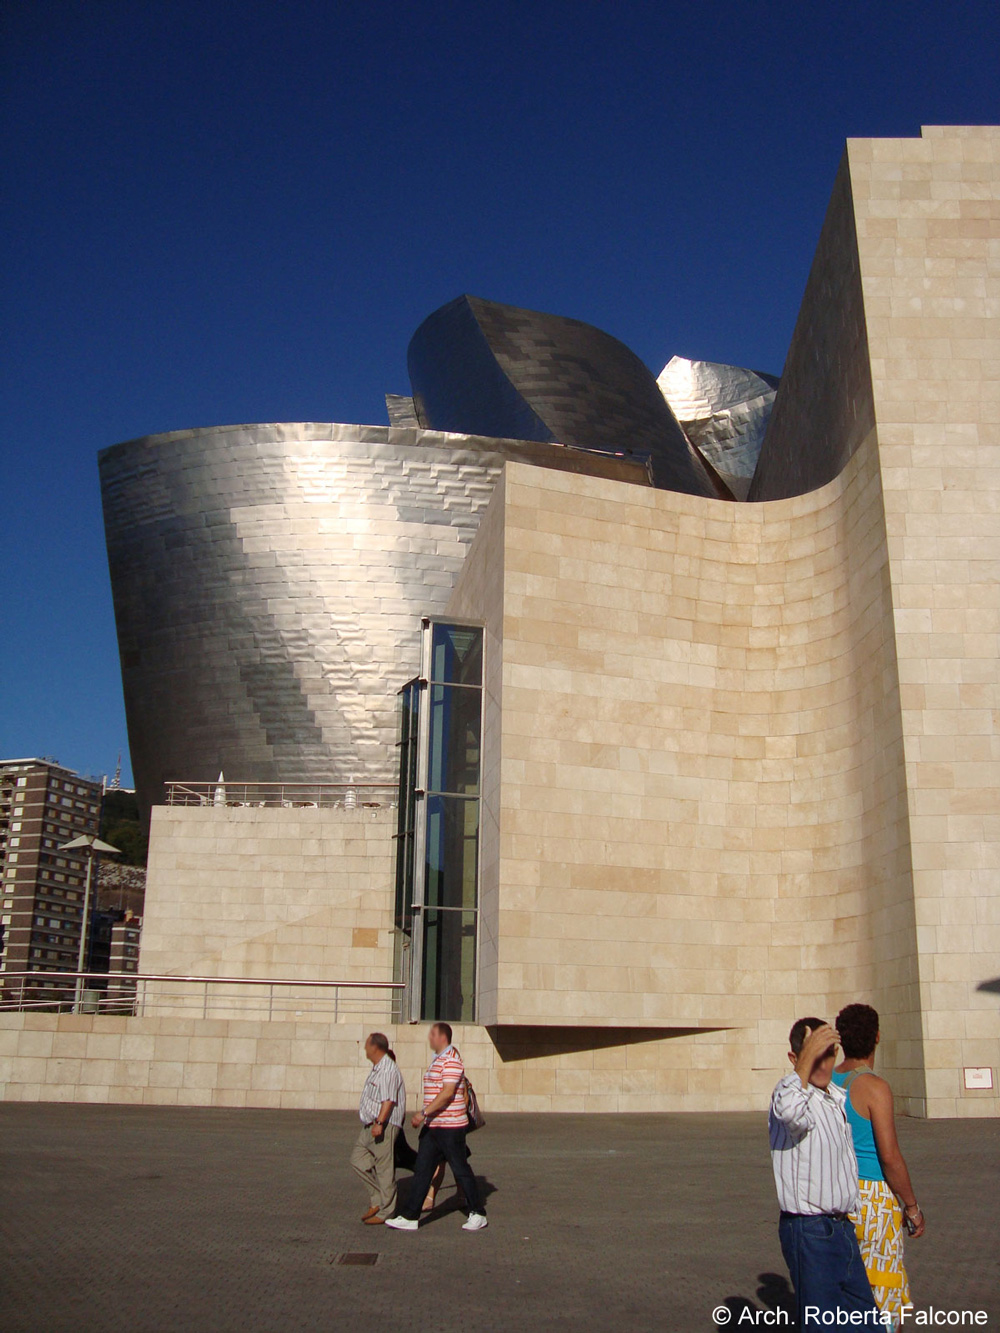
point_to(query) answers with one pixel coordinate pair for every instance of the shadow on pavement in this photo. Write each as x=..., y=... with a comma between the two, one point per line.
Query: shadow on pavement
x=774, y=1294
x=452, y=1204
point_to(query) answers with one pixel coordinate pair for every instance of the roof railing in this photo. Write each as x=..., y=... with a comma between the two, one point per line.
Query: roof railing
x=289, y=795
x=139, y=994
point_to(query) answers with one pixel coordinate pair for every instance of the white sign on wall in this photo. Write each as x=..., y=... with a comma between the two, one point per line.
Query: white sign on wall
x=978, y=1078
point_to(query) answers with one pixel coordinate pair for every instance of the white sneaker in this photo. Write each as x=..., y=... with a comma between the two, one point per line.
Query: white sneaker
x=476, y=1222
x=403, y=1223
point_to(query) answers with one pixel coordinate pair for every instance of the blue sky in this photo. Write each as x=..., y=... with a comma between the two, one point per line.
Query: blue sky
x=219, y=212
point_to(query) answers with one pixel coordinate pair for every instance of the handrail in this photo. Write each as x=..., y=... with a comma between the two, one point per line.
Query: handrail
x=228, y=981
x=262, y=794
x=181, y=786
x=309, y=786
x=137, y=993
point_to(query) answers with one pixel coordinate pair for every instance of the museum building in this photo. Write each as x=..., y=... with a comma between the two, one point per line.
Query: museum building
x=618, y=720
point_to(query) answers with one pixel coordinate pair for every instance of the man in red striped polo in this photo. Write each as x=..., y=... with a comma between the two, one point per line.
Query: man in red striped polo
x=443, y=1125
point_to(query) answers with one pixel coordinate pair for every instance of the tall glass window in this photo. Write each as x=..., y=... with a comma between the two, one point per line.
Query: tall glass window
x=437, y=842
x=449, y=966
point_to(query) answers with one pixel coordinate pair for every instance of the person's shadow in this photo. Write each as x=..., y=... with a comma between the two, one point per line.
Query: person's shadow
x=774, y=1293
x=452, y=1204
x=448, y=1200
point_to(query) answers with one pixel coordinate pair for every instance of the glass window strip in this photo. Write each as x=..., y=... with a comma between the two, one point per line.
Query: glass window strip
x=437, y=841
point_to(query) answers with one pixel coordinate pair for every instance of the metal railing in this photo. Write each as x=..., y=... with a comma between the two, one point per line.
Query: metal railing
x=143, y=994
x=290, y=795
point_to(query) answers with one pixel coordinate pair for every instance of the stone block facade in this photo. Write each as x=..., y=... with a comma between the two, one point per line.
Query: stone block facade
x=270, y=892
x=320, y=1065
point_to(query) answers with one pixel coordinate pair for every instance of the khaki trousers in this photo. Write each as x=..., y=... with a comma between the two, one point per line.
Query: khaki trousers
x=374, y=1161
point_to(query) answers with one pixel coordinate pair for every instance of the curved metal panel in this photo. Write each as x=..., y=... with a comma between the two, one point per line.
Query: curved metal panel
x=495, y=369
x=724, y=411
x=269, y=581
x=458, y=384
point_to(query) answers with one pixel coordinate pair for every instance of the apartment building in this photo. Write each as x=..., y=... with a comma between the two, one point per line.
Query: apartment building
x=42, y=807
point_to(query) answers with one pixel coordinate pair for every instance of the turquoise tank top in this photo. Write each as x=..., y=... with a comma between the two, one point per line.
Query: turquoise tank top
x=869, y=1166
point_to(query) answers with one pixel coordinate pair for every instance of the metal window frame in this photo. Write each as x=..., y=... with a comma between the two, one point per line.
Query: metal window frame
x=403, y=939
x=405, y=821
x=415, y=989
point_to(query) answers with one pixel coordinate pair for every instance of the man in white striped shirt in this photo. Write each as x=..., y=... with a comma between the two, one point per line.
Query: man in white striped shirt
x=816, y=1176
x=382, y=1111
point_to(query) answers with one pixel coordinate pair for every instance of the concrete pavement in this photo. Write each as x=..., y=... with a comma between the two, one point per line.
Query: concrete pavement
x=160, y=1219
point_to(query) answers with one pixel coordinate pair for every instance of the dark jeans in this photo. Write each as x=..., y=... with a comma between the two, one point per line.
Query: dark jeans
x=441, y=1145
x=826, y=1268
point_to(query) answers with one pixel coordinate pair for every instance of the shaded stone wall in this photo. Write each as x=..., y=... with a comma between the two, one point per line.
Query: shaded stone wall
x=823, y=409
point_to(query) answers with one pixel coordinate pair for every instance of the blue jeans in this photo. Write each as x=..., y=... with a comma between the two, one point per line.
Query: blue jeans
x=441, y=1145
x=825, y=1266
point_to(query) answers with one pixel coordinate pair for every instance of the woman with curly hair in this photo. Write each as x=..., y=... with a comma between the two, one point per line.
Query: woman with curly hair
x=887, y=1199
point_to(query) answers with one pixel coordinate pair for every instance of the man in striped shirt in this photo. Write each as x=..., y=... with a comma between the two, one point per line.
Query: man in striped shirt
x=443, y=1125
x=382, y=1111
x=816, y=1176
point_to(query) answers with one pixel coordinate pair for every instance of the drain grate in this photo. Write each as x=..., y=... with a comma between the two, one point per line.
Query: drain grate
x=361, y=1260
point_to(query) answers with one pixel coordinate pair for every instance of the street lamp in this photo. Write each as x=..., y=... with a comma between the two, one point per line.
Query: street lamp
x=92, y=848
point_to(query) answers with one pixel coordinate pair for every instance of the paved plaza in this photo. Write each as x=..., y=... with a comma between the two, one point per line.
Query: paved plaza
x=149, y=1220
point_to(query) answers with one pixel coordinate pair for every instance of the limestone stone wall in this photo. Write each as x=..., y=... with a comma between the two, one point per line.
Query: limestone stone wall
x=273, y=892
x=702, y=809
x=173, y=1061
x=928, y=224
x=315, y=1064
